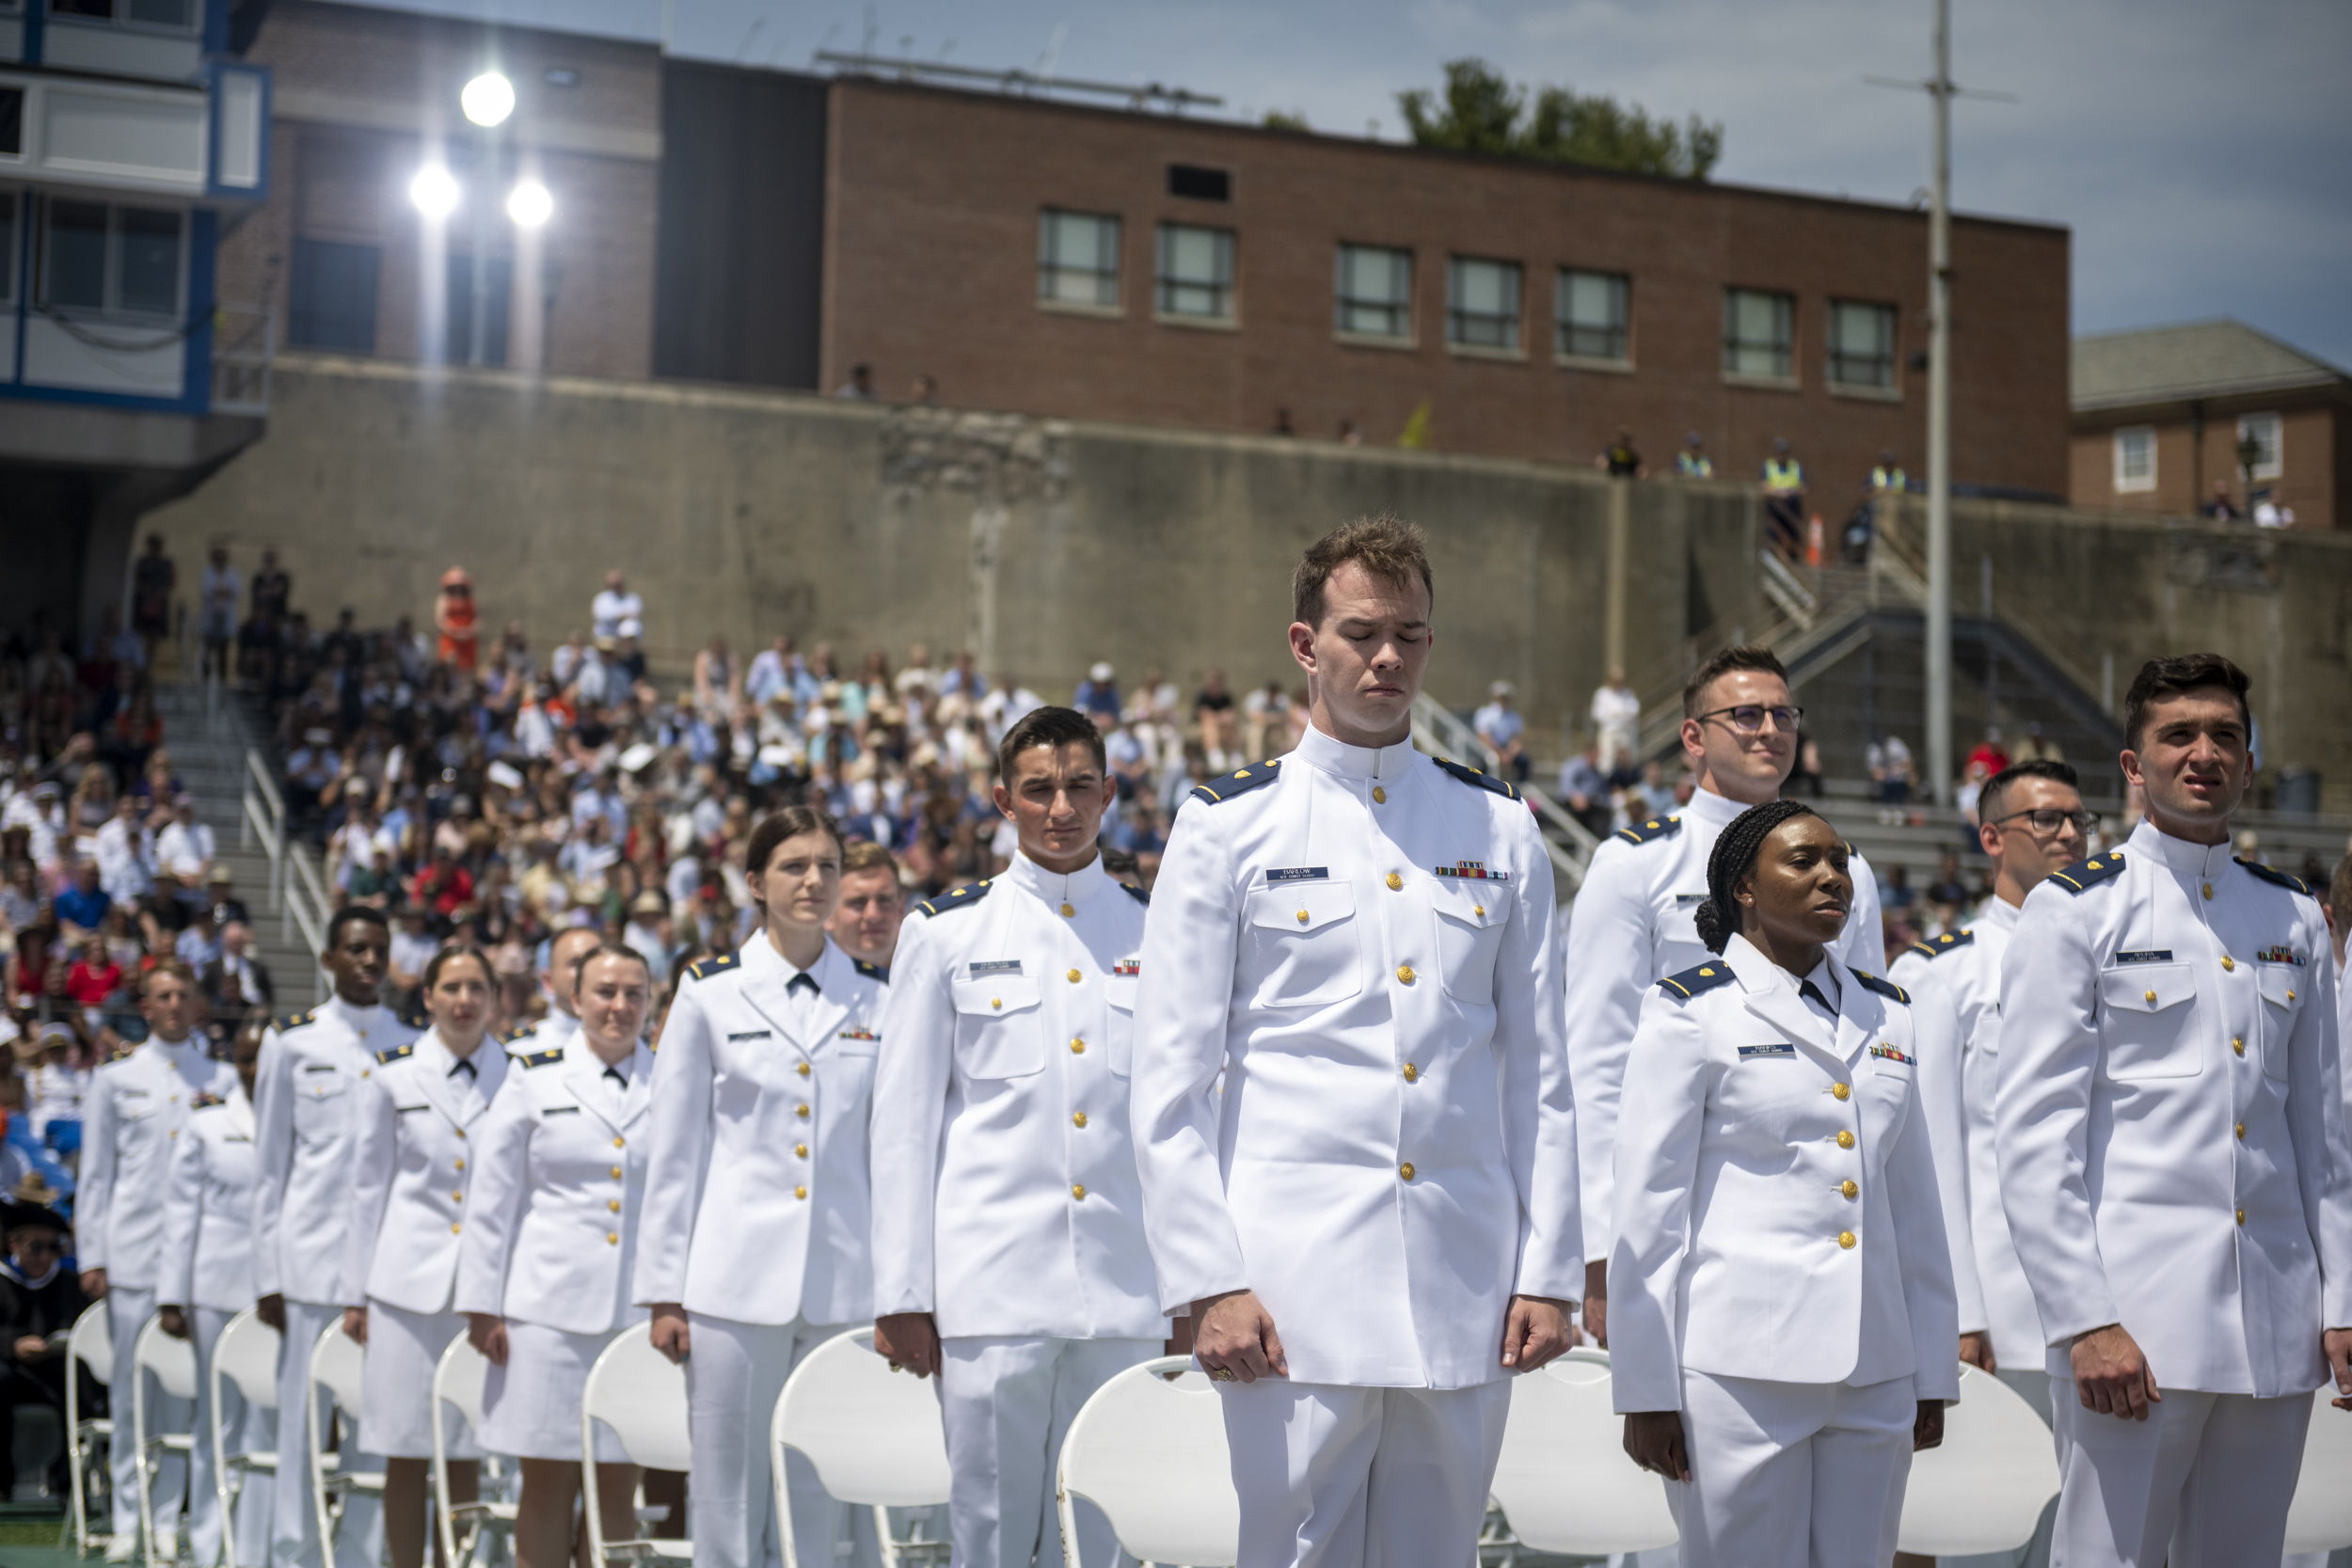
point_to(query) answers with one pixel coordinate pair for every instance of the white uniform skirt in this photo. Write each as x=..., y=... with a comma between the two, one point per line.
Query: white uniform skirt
x=396, y=1387
x=531, y=1406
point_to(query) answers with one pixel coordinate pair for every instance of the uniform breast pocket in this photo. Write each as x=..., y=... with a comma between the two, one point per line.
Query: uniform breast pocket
x=1119, y=992
x=137, y=1107
x=997, y=1027
x=2146, y=1010
x=319, y=1099
x=1470, y=919
x=2282, y=990
x=1302, y=945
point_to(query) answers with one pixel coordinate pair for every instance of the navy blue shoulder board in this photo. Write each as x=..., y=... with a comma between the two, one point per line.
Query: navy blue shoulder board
x=1688, y=983
x=1474, y=776
x=1944, y=943
x=295, y=1020
x=872, y=971
x=387, y=1057
x=709, y=967
x=1135, y=893
x=957, y=897
x=2089, y=872
x=542, y=1058
x=1656, y=827
x=1884, y=988
x=2281, y=878
x=1240, y=782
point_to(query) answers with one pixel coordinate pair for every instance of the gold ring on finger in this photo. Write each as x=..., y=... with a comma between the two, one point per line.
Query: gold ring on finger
x=1220, y=1374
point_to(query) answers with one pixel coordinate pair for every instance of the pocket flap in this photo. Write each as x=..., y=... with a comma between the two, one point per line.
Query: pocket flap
x=1473, y=903
x=995, y=996
x=2145, y=987
x=2282, y=985
x=1301, y=905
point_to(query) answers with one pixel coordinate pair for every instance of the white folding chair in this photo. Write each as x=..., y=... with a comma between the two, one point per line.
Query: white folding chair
x=172, y=1364
x=457, y=1381
x=638, y=1392
x=1564, y=1482
x=90, y=1342
x=873, y=1435
x=243, y=1357
x=2320, y=1518
x=1151, y=1455
x=336, y=1361
x=1983, y=1489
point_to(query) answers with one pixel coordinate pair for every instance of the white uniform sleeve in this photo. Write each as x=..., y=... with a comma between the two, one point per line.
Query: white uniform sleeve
x=1935, y=1040
x=680, y=1143
x=910, y=1082
x=2050, y=1056
x=94, y=1200
x=1538, y=1104
x=496, y=1198
x=273, y=1156
x=1912, y=1205
x=1657, y=1155
x=1863, y=944
x=184, y=1217
x=1608, y=963
x=2316, y=1114
x=374, y=1152
x=1190, y=940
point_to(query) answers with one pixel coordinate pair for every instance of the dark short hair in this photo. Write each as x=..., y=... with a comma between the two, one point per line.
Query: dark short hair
x=1744, y=656
x=790, y=822
x=1988, y=797
x=1389, y=547
x=349, y=913
x=1056, y=727
x=451, y=952
x=2177, y=676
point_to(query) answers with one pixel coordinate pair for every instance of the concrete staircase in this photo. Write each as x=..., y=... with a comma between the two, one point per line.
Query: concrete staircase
x=208, y=743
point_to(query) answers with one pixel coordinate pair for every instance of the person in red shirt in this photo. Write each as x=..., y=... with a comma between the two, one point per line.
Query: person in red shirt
x=1990, y=752
x=95, y=975
x=454, y=612
x=444, y=883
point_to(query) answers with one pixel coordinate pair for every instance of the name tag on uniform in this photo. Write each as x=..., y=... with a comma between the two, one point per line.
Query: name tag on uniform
x=403, y=1109
x=2148, y=956
x=994, y=966
x=1469, y=871
x=1689, y=900
x=1299, y=873
x=561, y=1110
x=126, y=1089
x=747, y=1034
x=1888, y=1053
x=318, y=1066
x=1783, y=1049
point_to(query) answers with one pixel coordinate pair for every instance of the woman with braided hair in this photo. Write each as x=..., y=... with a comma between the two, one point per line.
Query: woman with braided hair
x=1782, y=1315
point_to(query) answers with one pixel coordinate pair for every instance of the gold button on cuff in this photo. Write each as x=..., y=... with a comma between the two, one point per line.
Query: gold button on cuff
x=1412, y=1074
x=613, y=1204
x=1404, y=972
x=1379, y=796
x=1843, y=1091
x=1395, y=881
x=2238, y=1045
x=1849, y=1189
x=1406, y=1170
x=2229, y=963
x=800, y=1192
x=1845, y=1139
x=802, y=1070
x=1067, y=910
x=801, y=1111
x=1077, y=1119
x=1078, y=1191
x=612, y=1238
x=1077, y=1048
x=617, y=1173
x=1075, y=976
x=801, y=1149
x=1845, y=1238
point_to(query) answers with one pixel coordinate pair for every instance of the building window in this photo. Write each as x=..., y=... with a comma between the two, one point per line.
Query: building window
x=2262, y=429
x=1482, y=304
x=1591, y=315
x=179, y=15
x=334, y=297
x=113, y=260
x=2135, y=459
x=1195, y=184
x=1372, y=295
x=1078, y=258
x=1196, y=276
x=1861, y=344
x=498, y=288
x=1759, y=334
x=8, y=247
x=12, y=121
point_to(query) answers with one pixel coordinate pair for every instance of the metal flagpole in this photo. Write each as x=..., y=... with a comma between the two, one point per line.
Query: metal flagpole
x=1939, y=649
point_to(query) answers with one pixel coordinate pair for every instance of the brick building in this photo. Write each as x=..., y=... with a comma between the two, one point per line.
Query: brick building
x=1051, y=258
x=2159, y=417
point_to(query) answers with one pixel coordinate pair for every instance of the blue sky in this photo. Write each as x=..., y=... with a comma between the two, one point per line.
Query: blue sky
x=2200, y=153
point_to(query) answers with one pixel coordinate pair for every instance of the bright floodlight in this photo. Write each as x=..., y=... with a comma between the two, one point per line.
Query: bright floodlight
x=488, y=98
x=435, y=191
x=529, y=205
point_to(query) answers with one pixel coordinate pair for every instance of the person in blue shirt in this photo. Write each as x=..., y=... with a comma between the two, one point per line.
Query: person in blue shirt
x=85, y=904
x=1097, y=694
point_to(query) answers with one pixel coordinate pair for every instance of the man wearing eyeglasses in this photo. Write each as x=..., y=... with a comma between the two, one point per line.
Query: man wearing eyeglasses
x=38, y=1302
x=2033, y=823
x=1635, y=916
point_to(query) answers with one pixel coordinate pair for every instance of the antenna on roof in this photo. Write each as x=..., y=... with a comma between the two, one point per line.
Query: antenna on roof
x=1017, y=80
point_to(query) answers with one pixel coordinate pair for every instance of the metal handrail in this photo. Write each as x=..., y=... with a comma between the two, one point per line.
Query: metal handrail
x=307, y=905
x=264, y=815
x=1441, y=732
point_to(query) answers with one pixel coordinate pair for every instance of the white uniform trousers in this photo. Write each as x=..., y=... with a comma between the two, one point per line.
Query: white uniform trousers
x=1793, y=1475
x=2203, y=1481
x=244, y=1428
x=1331, y=1475
x=294, y=1530
x=733, y=1380
x=1006, y=1404
x=2032, y=1385
x=127, y=1311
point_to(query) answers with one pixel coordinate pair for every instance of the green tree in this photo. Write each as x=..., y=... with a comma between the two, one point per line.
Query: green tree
x=1480, y=111
x=1284, y=119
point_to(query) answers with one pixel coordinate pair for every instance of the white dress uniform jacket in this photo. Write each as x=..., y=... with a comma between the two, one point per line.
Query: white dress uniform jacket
x=208, y=1213
x=1005, y=1199
x=757, y=1196
x=138, y=1109
x=2170, y=1121
x=1955, y=986
x=1361, y=941
x=305, y=1133
x=1778, y=1217
x=559, y=1173
x=411, y=1170
x=1633, y=924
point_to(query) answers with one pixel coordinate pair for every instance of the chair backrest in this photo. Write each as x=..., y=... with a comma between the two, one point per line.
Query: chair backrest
x=172, y=1361
x=1983, y=1489
x=336, y=1364
x=245, y=1357
x=457, y=1379
x=2320, y=1518
x=634, y=1390
x=1563, y=1479
x=1151, y=1455
x=93, y=1339
x=874, y=1436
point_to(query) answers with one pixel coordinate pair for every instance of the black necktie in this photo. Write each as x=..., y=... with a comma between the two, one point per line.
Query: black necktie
x=800, y=980
x=1812, y=992
x=617, y=1076
x=465, y=1064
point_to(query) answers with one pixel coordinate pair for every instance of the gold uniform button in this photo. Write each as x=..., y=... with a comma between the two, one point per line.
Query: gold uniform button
x=1075, y=976
x=1412, y=1074
x=1479, y=910
x=1379, y=796
x=1077, y=1119
x=801, y=1111
x=617, y=1143
x=801, y=1149
x=1069, y=910
x=612, y=1238
x=2238, y=1045
x=1077, y=1048
x=2228, y=962
x=1845, y=1139
x=1843, y=1091
x=615, y=1205
x=461, y=1165
x=2241, y=1132
x=2290, y=995
x=1845, y=1238
x=994, y=1002
x=1395, y=881
x=1850, y=1190
x=1406, y=1170
x=802, y=1070
x=2151, y=996
x=1302, y=917
x=2241, y=1216
x=617, y=1173
x=461, y=1132
x=1404, y=972
x=799, y=1193
x=1078, y=1191
x=2208, y=891
x=455, y=1227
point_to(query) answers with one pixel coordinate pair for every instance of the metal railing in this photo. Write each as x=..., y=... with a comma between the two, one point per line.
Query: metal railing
x=297, y=893
x=1568, y=842
x=244, y=341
